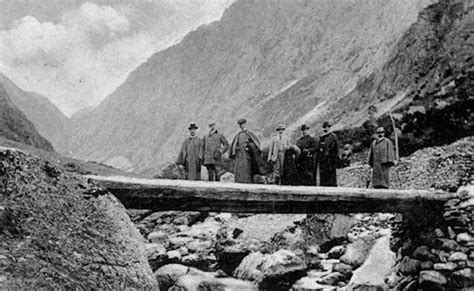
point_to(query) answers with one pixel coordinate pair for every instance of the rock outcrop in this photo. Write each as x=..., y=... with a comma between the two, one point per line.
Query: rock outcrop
x=60, y=232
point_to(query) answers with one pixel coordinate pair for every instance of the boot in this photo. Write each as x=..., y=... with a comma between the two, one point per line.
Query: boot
x=211, y=176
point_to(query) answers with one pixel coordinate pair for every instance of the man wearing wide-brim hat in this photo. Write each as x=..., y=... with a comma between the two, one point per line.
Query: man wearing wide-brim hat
x=190, y=155
x=381, y=158
x=246, y=152
x=276, y=154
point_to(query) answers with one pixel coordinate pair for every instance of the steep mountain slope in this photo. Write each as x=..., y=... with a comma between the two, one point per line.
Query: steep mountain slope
x=15, y=126
x=428, y=83
x=47, y=118
x=434, y=58
x=268, y=61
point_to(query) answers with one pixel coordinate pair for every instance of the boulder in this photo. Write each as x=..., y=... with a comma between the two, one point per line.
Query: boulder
x=464, y=238
x=205, y=230
x=449, y=245
x=447, y=267
x=169, y=274
x=174, y=256
x=223, y=217
x=423, y=253
x=60, y=231
x=197, y=280
x=432, y=279
x=328, y=265
x=409, y=265
x=227, y=177
x=426, y=265
x=344, y=269
x=230, y=257
x=463, y=278
x=179, y=240
x=156, y=255
x=336, y=252
x=324, y=229
x=277, y=271
x=457, y=256
x=308, y=283
x=197, y=245
x=356, y=252
x=158, y=237
x=331, y=279
x=377, y=267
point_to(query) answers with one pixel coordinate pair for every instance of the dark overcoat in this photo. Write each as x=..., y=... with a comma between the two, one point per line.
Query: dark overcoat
x=215, y=145
x=328, y=159
x=246, y=152
x=381, y=158
x=190, y=156
x=305, y=162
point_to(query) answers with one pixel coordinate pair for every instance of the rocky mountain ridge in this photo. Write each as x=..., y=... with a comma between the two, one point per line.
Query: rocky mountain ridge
x=14, y=125
x=271, y=63
x=46, y=117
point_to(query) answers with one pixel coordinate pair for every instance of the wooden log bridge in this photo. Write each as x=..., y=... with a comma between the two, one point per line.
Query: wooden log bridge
x=161, y=195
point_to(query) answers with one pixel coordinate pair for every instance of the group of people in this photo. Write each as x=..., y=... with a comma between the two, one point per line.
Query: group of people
x=310, y=161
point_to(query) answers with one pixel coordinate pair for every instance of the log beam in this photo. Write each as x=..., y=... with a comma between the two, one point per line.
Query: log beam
x=162, y=195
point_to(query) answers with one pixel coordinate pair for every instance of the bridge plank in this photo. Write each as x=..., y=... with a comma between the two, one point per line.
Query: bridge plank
x=161, y=195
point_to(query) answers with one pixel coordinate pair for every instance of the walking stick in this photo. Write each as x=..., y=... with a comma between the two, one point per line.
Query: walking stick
x=397, y=156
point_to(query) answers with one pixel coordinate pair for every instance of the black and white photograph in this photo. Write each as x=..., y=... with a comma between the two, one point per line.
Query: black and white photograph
x=228, y=145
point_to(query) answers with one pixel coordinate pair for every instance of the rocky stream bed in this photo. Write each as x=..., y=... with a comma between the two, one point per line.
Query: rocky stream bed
x=58, y=230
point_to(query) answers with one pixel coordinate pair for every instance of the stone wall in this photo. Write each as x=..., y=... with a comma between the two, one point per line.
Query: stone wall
x=435, y=249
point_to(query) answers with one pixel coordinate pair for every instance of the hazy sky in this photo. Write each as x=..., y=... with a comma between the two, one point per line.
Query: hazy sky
x=76, y=52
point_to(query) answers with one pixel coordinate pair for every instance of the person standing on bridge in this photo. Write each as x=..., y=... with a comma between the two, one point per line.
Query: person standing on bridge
x=305, y=164
x=381, y=158
x=246, y=152
x=328, y=157
x=215, y=145
x=276, y=154
x=190, y=155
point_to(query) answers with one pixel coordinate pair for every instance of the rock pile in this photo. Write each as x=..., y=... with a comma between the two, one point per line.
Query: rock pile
x=444, y=168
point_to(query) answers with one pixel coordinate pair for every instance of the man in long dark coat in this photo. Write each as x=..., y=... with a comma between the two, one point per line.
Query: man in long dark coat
x=328, y=156
x=215, y=145
x=381, y=158
x=190, y=155
x=245, y=150
x=305, y=163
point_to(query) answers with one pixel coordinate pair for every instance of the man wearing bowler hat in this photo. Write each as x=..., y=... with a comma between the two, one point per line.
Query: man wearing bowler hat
x=381, y=158
x=276, y=154
x=190, y=155
x=328, y=156
x=215, y=145
x=245, y=150
x=305, y=163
